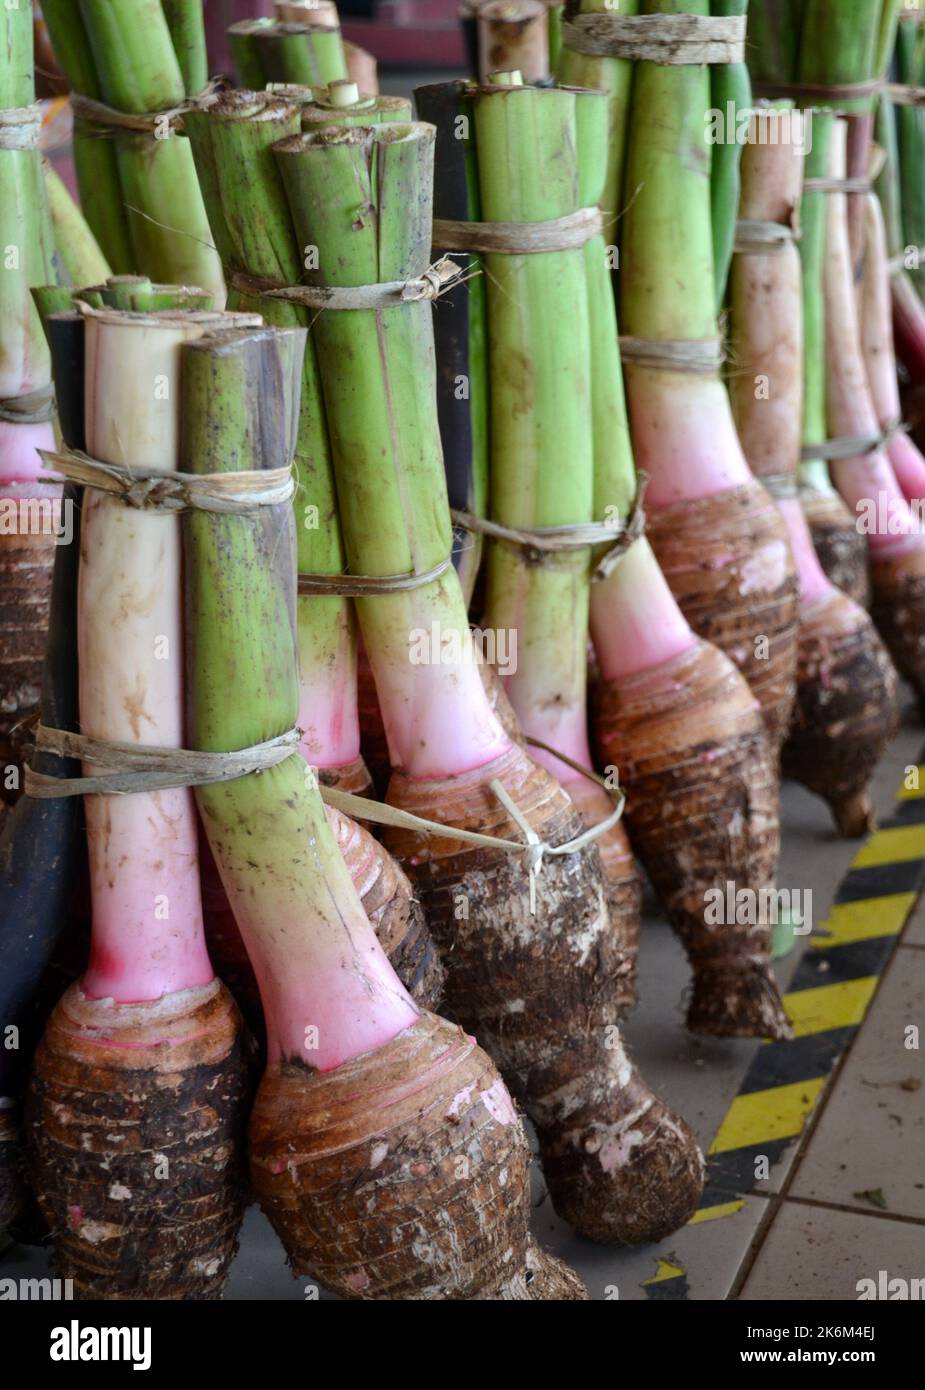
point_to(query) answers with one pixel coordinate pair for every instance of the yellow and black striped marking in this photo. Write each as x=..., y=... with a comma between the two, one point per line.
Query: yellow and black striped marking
x=828, y=999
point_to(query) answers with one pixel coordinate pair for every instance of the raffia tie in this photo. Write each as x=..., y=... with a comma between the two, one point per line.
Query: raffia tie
x=110, y=120
x=851, y=446
x=34, y=408
x=781, y=486
x=671, y=40
x=806, y=93
x=519, y=238
x=532, y=850
x=368, y=585
x=823, y=185
x=696, y=356
x=901, y=94
x=758, y=238
x=172, y=492
x=20, y=127
x=540, y=542
x=434, y=282
x=133, y=768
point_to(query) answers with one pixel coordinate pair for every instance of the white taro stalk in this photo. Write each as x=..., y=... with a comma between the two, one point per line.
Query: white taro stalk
x=147, y=920
x=845, y=710
x=867, y=480
x=715, y=532
x=875, y=316
x=366, y=1106
x=362, y=195
x=147, y=1032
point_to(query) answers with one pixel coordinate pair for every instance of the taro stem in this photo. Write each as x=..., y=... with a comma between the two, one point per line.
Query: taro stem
x=379, y=379
x=845, y=712
x=774, y=40
x=75, y=244
x=351, y=192
x=302, y=53
x=250, y=216
x=138, y=71
x=849, y=44
x=538, y=318
x=741, y=589
x=348, y=1054
x=910, y=120
x=615, y=77
x=94, y=157
x=279, y=862
x=842, y=551
x=876, y=325
x=459, y=322
x=730, y=94
x=867, y=481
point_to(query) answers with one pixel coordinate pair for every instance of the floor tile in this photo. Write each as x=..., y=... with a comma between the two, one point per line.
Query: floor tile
x=817, y=1253
x=871, y=1135
x=914, y=934
x=698, y=1262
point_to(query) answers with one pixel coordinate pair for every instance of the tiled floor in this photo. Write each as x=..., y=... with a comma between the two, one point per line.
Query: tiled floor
x=805, y=1233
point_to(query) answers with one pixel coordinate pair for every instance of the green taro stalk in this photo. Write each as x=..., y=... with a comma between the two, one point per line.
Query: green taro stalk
x=814, y=472
x=888, y=186
x=848, y=44
x=773, y=45
x=244, y=54
x=127, y=49
x=302, y=54
x=362, y=197
x=187, y=31
x=77, y=248
x=25, y=236
x=315, y=954
x=95, y=161
x=460, y=325
x=542, y=455
x=910, y=121
x=232, y=140
x=615, y=77
x=730, y=93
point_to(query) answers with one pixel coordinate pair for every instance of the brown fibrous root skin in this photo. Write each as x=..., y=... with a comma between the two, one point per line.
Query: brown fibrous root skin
x=401, y=1174
x=845, y=713
x=542, y=990
x=839, y=545
x=702, y=812
x=135, y=1128
x=727, y=560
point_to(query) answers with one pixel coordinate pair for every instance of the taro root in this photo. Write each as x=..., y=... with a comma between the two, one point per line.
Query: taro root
x=717, y=535
x=701, y=811
x=140, y=1085
x=845, y=712
x=384, y=1147
x=443, y=736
